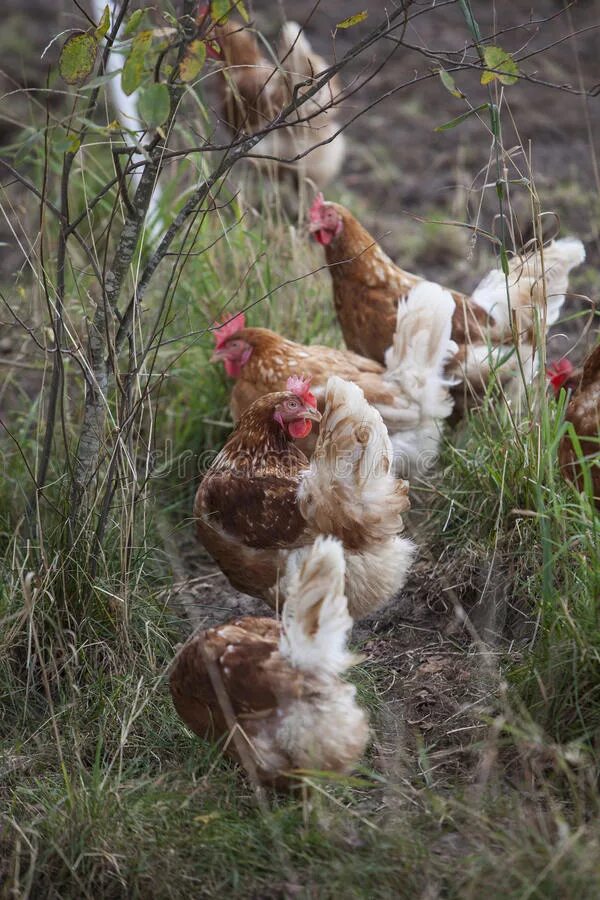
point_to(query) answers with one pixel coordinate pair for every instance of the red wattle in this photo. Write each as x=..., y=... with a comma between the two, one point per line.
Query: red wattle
x=233, y=368
x=299, y=428
x=322, y=237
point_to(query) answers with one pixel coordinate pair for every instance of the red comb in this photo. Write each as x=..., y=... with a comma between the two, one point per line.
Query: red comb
x=227, y=327
x=561, y=369
x=301, y=388
x=558, y=373
x=314, y=213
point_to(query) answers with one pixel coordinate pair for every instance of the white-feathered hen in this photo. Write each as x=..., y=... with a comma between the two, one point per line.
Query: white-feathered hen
x=284, y=697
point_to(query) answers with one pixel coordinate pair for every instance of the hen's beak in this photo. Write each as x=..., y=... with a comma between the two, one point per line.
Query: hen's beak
x=311, y=413
x=314, y=226
x=217, y=356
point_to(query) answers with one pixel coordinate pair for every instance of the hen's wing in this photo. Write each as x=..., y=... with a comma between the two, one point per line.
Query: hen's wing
x=242, y=660
x=259, y=510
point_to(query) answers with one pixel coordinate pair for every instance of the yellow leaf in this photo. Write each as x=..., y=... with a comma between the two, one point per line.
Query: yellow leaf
x=353, y=20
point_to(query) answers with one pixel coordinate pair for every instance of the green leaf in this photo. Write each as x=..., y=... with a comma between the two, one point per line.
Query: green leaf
x=497, y=58
x=449, y=83
x=353, y=20
x=101, y=80
x=154, y=105
x=457, y=121
x=504, y=261
x=193, y=61
x=220, y=10
x=77, y=57
x=104, y=24
x=134, y=20
x=241, y=8
x=133, y=70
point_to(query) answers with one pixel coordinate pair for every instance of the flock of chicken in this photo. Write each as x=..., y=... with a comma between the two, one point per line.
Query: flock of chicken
x=303, y=506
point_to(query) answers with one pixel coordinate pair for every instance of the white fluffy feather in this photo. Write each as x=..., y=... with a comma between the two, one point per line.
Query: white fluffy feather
x=415, y=367
x=350, y=491
x=350, y=476
x=315, y=617
x=541, y=278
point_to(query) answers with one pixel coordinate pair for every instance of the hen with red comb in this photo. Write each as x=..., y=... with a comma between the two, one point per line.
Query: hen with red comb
x=261, y=499
x=368, y=288
x=410, y=391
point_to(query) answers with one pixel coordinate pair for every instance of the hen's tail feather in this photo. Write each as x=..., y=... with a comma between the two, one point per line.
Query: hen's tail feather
x=315, y=617
x=422, y=346
x=350, y=490
x=538, y=282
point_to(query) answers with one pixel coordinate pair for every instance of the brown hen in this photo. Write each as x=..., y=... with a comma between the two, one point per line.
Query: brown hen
x=255, y=89
x=367, y=287
x=274, y=688
x=261, y=499
x=583, y=412
x=410, y=391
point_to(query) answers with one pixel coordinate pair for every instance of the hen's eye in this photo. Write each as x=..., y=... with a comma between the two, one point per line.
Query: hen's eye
x=293, y=404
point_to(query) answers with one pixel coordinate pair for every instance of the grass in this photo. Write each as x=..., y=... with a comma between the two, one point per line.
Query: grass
x=105, y=793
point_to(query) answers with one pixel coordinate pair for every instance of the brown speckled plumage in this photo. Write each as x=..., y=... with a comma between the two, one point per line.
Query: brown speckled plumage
x=583, y=412
x=274, y=359
x=257, y=503
x=367, y=286
x=274, y=688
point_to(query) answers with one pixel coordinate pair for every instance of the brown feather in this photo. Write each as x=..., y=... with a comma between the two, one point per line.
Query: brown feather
x=274, y=358
x=367, y=287
x=583, y=412
x=254, y=89
x=237, y=671
x=250, y=515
